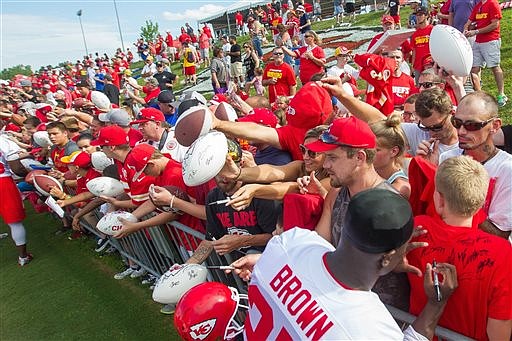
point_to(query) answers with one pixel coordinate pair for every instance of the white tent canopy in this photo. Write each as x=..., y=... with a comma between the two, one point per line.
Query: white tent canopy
x=237, y=6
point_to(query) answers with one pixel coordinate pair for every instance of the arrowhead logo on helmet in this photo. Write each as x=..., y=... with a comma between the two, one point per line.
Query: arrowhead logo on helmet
x=201, y=330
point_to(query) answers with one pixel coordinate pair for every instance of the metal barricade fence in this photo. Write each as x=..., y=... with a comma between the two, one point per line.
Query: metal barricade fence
x=157, y=248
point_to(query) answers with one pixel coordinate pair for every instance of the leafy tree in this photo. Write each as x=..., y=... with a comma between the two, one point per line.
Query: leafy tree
x=149, y=31
x=16, y=70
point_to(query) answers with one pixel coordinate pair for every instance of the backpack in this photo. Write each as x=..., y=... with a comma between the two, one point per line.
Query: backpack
x=191, y=57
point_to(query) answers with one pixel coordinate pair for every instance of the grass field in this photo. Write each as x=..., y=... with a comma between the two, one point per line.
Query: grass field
x=68, y=292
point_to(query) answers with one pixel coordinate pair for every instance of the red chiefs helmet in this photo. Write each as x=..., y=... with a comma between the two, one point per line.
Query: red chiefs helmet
x=207, y=311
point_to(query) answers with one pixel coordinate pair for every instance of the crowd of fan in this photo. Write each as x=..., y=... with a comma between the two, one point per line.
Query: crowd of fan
x=296, y=158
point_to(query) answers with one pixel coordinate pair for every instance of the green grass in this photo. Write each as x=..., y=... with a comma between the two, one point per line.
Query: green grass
x=68, y=292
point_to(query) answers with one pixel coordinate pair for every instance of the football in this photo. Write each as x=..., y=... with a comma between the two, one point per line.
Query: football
x=194, y=122
x=42, y=139
x=110, y=223
x=78, y=103
x=205, y=158
x=176, y=191
x=225, y=112
x=100, y=161
x=451, y=50
x=43, y=183
x=100, y=100
x=29, y=178
x=178, y=280
x=106, y=186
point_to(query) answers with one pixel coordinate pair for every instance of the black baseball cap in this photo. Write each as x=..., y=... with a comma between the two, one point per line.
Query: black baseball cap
x=378, y=221
x=166, y=96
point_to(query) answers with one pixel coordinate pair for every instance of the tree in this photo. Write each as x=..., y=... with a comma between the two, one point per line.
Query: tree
x=16, y=70
x=149, y=31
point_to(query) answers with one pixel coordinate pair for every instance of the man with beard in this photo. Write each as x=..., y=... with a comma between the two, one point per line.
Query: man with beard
x=476, y=122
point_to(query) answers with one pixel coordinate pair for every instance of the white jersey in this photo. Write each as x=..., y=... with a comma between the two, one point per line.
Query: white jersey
x=8, y=152
x=499, y=169
x=293, y=295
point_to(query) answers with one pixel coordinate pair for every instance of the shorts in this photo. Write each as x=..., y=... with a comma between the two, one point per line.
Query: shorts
x=204, y=53
x=396, y=19
x=350, y=7
x=190, y=70
x=236, y=69
x=487, y=54
x=338, y=10
x=11, y=209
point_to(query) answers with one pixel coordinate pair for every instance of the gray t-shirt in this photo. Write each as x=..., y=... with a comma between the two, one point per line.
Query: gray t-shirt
x=219, y=67
x=415, y=135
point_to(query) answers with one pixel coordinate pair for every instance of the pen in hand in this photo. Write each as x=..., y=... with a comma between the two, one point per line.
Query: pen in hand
x=439, y=297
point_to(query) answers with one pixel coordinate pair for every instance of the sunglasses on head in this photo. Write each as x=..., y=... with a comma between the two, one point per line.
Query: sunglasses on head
x=326, y=137
x=427, y=85
x=469, y=125
x=305, y=151
x=435, y=127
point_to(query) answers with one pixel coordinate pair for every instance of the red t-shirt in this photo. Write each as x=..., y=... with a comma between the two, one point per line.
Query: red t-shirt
x=402, y=87
x=168, y=40
x=483, y=13
x=290, y=138
x=184, y=37
x=293, y=26
x=239, y=19
x=134, y=136
x=206, y=30
x=81, y=182
x=138, y=190
x=420, y=43
x=274, y=23
x=483, y=263
x=307, y=68
x=285, y=78
x=150, y=94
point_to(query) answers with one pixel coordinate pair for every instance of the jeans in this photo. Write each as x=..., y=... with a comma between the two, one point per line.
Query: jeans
x=256, y=41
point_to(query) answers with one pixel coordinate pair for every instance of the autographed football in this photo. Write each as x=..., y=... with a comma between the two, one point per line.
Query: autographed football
x=110, y=223
x=178, y=280
x=193, y=123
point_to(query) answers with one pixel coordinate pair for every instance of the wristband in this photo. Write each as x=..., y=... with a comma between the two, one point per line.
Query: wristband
x=239, y=173
x=476, y=32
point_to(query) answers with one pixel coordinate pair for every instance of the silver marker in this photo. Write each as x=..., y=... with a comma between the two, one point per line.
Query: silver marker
x=219, y=202
x=220, y=267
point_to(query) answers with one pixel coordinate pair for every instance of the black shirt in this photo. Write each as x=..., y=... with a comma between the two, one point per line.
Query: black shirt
x=112, y=92
x=235, y=48
x=163, y=78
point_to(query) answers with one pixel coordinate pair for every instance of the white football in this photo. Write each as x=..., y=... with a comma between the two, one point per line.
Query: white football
x=205, y=158
x=100, y=100
x=100, y=161
x=226, y=112
x=44, y=183
x=42, y=139
x=177, y=281
x=104, y=185
x=451, y=50
x=110, y=223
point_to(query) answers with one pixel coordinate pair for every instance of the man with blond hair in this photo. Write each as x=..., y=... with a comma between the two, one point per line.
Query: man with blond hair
x=480, y=308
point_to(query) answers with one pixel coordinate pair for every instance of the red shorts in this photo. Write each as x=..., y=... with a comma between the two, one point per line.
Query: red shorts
x=396, y=18
x=11, y=209
x=190, y=70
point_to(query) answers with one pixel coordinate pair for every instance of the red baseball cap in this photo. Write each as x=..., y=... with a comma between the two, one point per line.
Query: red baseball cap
x=111, y=136
x=349, y=132
x=149, y=114
x=387, y=19
x=261, y=116
x=138, y=158
x=78, y=158
x=218, y=98
x=309, y=107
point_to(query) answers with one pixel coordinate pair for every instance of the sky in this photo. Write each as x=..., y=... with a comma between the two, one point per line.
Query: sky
x=40, y=33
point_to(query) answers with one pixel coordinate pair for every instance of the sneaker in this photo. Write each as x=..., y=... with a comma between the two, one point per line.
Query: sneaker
x=111, y=249
x=148, y=279
x=101, y=244
x=127, y=272
x=502, y=100
x=4, y=235
x=168, y=309
x=22, y=261
x=138, y=273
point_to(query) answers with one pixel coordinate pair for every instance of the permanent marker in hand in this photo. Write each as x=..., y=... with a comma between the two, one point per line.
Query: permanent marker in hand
x=439, y=297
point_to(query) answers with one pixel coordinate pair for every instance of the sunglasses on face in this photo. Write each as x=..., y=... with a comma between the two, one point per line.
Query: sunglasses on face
x=435, y=127
x=304, y=151
x=469, y=125
x=308, y=36
x=278, y=53
x=427, y=85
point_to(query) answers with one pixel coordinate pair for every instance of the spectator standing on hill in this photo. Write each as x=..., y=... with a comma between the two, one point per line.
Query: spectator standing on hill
x=166, y=79
x=402, y=84
x=235, y=53
x=149, y=68
x=420, y=41
x=279, y=77
x=219, y=71
x=250, y=62
x=204, y=47
x=485, y=17
x=350, y=9
x=189, y=63
x=111, y=91
x=99, y=79
x=394, y=12
x=459, y=12
x=338, y=11
x=239, y=20
x=304, y=22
